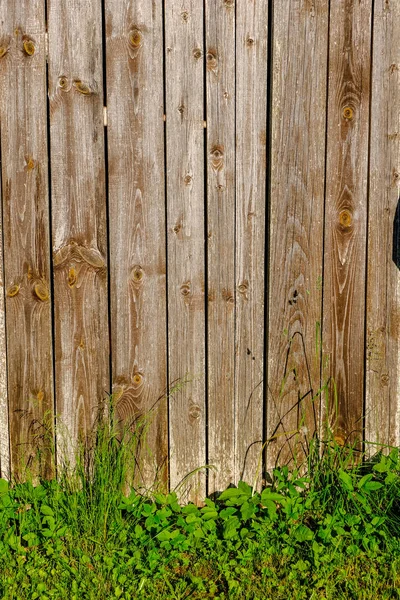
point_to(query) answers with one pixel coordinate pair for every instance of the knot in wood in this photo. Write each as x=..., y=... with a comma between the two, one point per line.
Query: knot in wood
x=188, y=179
x=29, y=47
x=186, y=289
x=41, y=291
x=63, y=82
x=384, y=379
x=197, y=53
x=217, y=157
x=194, y=412
x=72, y=277
x=345, y=218
x=243, y=287
x=229, y=3
x=348, y=113
x=137, y=274
x=137, y=380
x=177, y=228
x=211, y=60
x=181, y=109
x=135, y=38
x=30, y=163
x=185, y=16
x=82, y=88
x=13, y=290
x=250, y=41
x=3, y=51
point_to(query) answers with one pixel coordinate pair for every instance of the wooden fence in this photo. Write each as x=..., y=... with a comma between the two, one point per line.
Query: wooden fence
x=200, y=197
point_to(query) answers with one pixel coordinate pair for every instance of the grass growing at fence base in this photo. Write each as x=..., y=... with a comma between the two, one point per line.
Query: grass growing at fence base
x=330, y=532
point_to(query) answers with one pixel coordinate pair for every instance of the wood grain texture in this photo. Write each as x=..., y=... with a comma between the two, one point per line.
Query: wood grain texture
x=251, y=122
x=137, y=223
x=346, y=209
x=185, y=235
x=382, y=418
x=220, y=69
x=78, y=215
x=23, y=119
x=296, y=225
x=4, y=426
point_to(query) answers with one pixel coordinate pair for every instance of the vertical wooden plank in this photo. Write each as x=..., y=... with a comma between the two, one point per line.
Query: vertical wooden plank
x=382, y=419
x=296, y=224
x=251, y=122
x=220, y=64
x=78, y=215
x=26, y=232
x=185, y=235
x=346, y=207
x=137, y=221
x=4, y=426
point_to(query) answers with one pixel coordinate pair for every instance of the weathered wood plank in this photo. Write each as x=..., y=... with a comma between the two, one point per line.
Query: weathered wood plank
x=4, y=427
x=346, y=207
x=185, y=235
x=382, y=419
x=23, y=119
x=251, y=122
x=220, y=63
x=78, y=215
x=300, y=52
x=137, y=222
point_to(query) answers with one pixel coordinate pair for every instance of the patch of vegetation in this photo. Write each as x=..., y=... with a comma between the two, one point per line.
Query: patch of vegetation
x=330, y=530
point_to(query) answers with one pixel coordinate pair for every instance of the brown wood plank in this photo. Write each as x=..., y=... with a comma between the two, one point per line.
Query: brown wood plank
x=78, y=215
x=382, y=419
x=137, y=222
x=4, y=427
x=251, y=122
x=296, y=225
x=346, y=208
x=26, y=232
x=185, y=235
x=220, y=64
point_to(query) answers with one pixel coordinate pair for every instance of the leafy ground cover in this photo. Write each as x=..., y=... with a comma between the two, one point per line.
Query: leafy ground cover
x=328, y=531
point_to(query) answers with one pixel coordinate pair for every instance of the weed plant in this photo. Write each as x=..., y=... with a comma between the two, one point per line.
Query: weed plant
x=331, y=530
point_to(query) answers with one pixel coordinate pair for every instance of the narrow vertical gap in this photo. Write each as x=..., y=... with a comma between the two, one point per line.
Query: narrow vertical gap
x=366, y=231
x=107, y=194
x=51, y=266
x=4, y=474
x=166, y=240
x=205, y=176
x=268, y=192
x=321, y=412
x=235, y=393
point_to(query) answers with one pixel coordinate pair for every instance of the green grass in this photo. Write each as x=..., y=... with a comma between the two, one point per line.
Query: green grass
x=330, y=530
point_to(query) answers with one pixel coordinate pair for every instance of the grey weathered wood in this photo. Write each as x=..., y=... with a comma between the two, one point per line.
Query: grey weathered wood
x=251, y=172
x=185, y=235
x=137, y=223
x=23, y=119
x=296, y=225
x=346, y=208
x=220, y=64
x=78, y=215
x=382, y=418
x=4, y=427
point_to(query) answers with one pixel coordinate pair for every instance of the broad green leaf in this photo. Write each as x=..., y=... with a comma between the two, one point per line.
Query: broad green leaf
x=230, y=493
x=303, y=533
x=373, y=485
x=46, y=510
x=272, y=496
x=3, y=486
x=364, y=480
x=346, y=480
